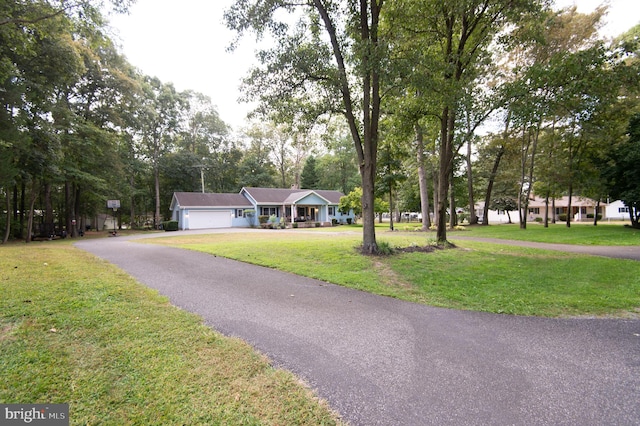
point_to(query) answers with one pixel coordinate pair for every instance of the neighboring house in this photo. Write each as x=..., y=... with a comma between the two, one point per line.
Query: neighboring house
x=194, y=210
x=582, y=210
x=617, y=210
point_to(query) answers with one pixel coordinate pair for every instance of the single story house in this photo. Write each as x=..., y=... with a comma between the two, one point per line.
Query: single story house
x=582, y=210
x=617, y=210
x=195, y=210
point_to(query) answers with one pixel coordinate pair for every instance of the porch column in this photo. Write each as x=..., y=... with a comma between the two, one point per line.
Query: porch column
x=294, y=212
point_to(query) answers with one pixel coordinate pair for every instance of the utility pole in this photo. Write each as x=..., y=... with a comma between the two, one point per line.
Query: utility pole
x=201, y=167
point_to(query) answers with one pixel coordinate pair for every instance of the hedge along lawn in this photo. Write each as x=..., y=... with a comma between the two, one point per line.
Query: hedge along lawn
x=605, y=234
x=76, y=330
x=474, y=276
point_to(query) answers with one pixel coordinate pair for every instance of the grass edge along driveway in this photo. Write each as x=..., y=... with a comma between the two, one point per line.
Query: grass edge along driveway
x=74, y=329
x=474, y=276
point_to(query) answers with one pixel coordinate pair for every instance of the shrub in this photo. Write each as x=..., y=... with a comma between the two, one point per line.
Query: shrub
x=385, y=248
x=349, y=221
x=317, y=224
x=562, y=217
x=170, y=225
x=538, y=219
x=334, y=222
x=295, y=224
x=263, y=219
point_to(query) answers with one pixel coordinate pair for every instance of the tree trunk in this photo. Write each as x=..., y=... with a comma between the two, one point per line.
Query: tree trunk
x=422, y=179
x=492, y=178
x=369, y=244
x=434, y=173
x=473, y=219
x=569, y=207
x=447, y=124
x=390, y=210
x=23, y=204
x=32, y=202
x=634, y=215
x=595, y=213
x=68, y=204
x=48, y=206
x=132, y=201
x=532, y=156
x=76, y=212
x=156, y=215
x=453, y=214
x=546, y=210
x=366, y=145
x=494, y=170
x=7, y=231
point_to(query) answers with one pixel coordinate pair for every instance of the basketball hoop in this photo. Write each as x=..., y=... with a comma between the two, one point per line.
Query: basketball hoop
x=115, y=205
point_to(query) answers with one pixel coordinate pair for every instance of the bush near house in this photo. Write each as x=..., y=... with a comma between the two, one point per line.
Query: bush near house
x=170, y=225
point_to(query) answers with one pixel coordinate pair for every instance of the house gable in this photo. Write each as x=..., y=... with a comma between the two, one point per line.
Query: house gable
x=307, y=197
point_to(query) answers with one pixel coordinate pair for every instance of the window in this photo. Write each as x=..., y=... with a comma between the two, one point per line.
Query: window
x=239, y=213
x=332, y=211
x=534, y=210
x=268, y=211
x=623, y=209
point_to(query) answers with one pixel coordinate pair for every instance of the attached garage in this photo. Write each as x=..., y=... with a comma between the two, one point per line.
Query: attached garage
x=205, y=219
x=194, y=210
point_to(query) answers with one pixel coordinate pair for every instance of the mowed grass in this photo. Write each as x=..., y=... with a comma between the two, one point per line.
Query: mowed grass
x=473, y=276
x=76, y=330
x=605, y=234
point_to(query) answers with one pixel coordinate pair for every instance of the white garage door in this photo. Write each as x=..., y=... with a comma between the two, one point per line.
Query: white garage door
x=209, y=219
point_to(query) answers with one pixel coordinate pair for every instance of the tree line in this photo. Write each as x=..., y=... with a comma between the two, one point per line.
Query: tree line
x=429, y=105
x=418, y=81
x=80, y=126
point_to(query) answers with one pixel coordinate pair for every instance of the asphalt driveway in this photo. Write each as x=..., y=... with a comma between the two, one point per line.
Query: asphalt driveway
x=381, y=361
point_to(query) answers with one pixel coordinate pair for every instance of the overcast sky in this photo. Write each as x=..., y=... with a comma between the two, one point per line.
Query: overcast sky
x=184, y=43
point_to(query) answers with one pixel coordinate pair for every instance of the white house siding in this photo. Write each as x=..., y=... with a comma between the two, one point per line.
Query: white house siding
x=207, y=219
x=617, y=211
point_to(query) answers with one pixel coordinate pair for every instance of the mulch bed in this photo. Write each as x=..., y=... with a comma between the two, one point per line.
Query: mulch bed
x=424, y=249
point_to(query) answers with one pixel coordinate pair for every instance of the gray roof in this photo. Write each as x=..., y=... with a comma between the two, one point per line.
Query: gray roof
x=199, y=199
x=281, y=195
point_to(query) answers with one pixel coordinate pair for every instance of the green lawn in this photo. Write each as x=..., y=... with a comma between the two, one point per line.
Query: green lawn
x=581, y=234
x=475, y=276
x=606, y=234
x=74, y=329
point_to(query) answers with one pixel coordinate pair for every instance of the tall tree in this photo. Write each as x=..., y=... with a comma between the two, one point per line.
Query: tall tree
x=450, y=43
x=623, y=171
x=160, y=120
x=256, y=167
x=341, y=69
x=309, y=178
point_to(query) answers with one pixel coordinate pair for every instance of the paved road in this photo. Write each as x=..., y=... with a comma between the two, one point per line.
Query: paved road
x=381, y=361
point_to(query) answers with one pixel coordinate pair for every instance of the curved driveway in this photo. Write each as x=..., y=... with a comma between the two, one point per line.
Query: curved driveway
x=381, y=361
x=619, y=252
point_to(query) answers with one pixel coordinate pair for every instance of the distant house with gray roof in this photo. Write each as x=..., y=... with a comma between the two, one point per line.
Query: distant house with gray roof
x=194, y=210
